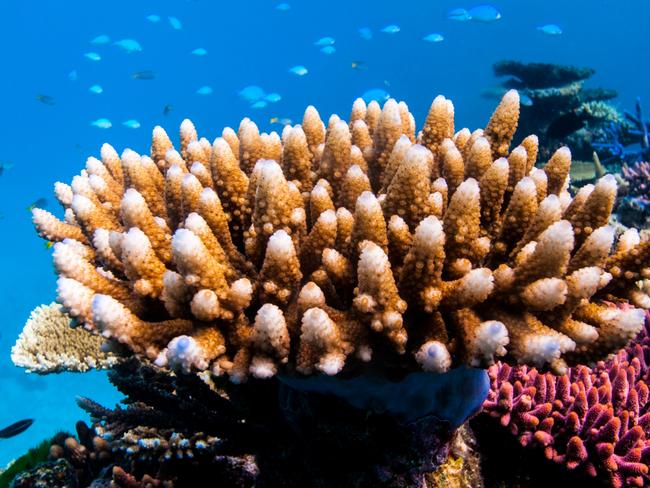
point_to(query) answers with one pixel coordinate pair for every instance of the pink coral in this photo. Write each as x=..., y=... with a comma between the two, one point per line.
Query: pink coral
x=592, y=420
x=637, y=177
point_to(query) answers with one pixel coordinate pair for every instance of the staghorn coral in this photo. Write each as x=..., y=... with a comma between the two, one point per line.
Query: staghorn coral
x=220, y=261
x=593, y=421
x=49, y=344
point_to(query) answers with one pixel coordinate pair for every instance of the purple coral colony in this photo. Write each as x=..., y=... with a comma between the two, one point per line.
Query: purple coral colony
x=350, y=293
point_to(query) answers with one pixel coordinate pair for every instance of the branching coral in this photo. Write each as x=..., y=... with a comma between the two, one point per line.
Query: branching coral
x=48, y=344
x=592, y=420
x=342, y=244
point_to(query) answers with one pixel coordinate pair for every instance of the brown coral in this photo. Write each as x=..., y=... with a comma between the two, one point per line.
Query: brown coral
x=258, y=255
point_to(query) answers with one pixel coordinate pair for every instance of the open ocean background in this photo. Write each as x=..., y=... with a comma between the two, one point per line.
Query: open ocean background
x=248, y=42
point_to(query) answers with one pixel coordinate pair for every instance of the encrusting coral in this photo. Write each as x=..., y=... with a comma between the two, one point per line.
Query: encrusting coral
x=48, y=344
x=340, y=244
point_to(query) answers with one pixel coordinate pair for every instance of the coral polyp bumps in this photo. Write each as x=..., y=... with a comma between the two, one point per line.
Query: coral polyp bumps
x=347, y=243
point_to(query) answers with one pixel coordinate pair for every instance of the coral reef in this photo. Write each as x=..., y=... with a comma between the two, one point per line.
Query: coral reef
x=48, y=344
x=179, y=430
x=633, y=207
x=560, y=109
x=625, y=141
x=279, y=303
x=594, y=421
x=346, y=244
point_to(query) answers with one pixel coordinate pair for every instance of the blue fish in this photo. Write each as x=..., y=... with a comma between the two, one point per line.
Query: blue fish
x=102, y=123
x=204, y=90
x=73, y=75
x=435, y=37
x=129, y=45
x=96, y=89
x=101, y=40
x=484, y=13
x=199, y=51
x=273, y=97
x=283, y=7
x=459, y=15
x=299, y=70
x=391, y=29
x=325, y=41
x=550, y=29
x=259, y=104
x=175, y=23
x=365, y=33
x=525, y=100
x=153, y=18
x=328, y=50
x=251, y=93
x=131, y=124
x=5, y=166
x=93, y=56
x=378, y=94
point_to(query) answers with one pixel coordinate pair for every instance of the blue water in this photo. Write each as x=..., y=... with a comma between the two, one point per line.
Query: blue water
x=247, y=43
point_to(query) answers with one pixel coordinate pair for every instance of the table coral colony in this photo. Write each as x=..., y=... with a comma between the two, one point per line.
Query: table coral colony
x=346, y=247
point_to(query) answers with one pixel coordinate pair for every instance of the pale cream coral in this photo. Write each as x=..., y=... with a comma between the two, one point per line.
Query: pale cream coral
x=49, y=344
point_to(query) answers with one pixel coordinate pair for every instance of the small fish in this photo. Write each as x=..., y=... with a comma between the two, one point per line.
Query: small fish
x=143, y=75
x=96, y=89
x=153, y=18
x=45, y=99
x=48, y=245
x=175, y=23
x=360, y=65
x=365, y=33
x=280, y=120
x=299, y=70
x=328, y=50
x=435, y=37
x=391, y=29
x=283, y=7
x=525, y=100
x=273, y=97
x=167, y=109
x=199, y=51
x=4, y=167
x=73, y=75
x=550, y=29
x=129, y=45
x=325, y=41
x=251, y=93
x=259, y=104
x=131, y=124
x=93, y=56
x=484, y=13
x=459, y=15
x=39, y=203
x=102, y=123
x=101, y=40
x=378, y=94
x=16, y=428
x=204, y=90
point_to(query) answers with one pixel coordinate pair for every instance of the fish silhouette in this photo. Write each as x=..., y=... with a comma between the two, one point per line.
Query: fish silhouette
x=16, y=428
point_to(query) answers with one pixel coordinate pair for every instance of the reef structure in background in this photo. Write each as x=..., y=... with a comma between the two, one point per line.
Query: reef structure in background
x=559, y=108
x=633, y=205
x=347, y=244
x=625, y=141
x=594, y=421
